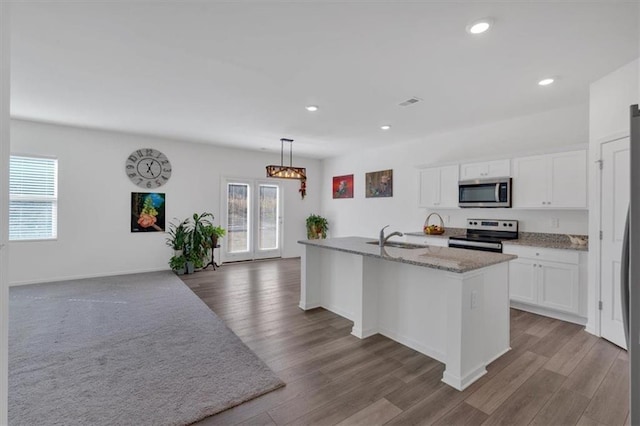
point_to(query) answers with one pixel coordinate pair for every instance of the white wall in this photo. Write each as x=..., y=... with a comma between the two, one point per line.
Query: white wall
x=4, y=205
x=609, y=101
x=94, y=237
x=535, y=133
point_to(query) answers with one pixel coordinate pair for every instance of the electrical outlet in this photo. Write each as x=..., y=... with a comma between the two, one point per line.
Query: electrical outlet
x=555, y=222
x=474, y=299
x=447, y=219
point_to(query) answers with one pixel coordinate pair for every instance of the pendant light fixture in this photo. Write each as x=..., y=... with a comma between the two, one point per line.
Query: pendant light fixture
x=286, y=172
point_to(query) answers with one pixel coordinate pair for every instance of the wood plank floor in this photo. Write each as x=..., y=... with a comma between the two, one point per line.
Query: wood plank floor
x=556, y=373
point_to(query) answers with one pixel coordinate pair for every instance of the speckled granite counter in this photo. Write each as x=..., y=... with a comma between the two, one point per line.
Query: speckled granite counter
x=554, y=241
x=448, y=232
x=443, y=258
x=531, y=239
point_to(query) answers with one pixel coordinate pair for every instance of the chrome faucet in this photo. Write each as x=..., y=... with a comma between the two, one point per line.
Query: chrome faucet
x=384, y=239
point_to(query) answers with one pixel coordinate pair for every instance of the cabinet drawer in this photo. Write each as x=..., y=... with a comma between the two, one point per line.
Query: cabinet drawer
x=537, y=253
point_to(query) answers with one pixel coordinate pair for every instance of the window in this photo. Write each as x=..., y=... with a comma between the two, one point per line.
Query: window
x=33, y=198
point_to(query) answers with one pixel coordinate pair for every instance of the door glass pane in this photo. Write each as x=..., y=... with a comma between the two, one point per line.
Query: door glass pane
x=268, y=217
x=237, y=217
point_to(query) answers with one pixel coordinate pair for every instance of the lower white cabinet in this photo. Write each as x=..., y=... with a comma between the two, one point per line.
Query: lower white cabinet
x=549, y=282
x=427, y=240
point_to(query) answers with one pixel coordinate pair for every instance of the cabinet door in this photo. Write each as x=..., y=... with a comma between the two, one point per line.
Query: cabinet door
x=429, y=187
x=448, y=187
x=559, y=286
x=473, y=171
x=530, y=182
x=497, y=168
x=523, y=286
x=568, y=183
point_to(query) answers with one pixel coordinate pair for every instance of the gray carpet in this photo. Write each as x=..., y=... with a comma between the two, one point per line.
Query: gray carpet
x=133, y=349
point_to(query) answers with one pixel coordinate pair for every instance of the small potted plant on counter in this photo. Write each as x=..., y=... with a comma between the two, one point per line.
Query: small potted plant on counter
x=317, y=227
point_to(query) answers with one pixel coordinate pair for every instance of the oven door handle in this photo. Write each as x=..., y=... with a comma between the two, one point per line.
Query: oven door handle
x=482, y=244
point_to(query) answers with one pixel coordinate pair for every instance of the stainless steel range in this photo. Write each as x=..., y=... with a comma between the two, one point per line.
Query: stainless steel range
x=486, y=234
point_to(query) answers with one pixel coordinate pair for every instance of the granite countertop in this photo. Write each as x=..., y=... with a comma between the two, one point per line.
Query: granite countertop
x=531, y=239
x=553, y=241
x=443, y=258
x=448, y=232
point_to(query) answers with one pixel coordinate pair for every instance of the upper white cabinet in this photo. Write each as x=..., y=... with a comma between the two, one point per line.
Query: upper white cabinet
x=552, y=181
x=439, y=187
x=487, y=169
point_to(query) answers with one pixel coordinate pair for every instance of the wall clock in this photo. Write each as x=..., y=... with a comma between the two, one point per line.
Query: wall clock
x=148, y=168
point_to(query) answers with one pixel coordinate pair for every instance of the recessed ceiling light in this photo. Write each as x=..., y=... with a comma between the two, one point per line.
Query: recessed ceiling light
x=312, y=108
x=545, y=82
x=479, y=26
x=385, y=127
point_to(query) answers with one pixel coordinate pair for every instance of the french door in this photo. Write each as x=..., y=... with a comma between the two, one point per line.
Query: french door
x=253, y=219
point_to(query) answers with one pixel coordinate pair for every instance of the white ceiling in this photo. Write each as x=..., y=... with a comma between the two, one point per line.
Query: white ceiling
x=240, y=73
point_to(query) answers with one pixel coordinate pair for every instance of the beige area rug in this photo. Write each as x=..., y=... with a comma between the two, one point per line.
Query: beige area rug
x=133, y=349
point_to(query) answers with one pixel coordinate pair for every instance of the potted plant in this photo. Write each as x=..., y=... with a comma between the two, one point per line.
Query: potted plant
x=317, y=227
x=197, y=239
x=178, y=264
x=178, y=235
x=192, y=261
x=213, y=234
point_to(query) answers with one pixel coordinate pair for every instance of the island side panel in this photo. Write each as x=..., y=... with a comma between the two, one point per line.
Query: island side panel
x=342, y=279
x=310, y=278
x=332, y=280
x=477, y=323
x=412, y=305
x=496, y=311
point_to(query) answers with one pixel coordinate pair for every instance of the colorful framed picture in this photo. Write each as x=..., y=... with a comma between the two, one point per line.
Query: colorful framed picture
x=343, y=186
x=147, y=212
x=379, y=184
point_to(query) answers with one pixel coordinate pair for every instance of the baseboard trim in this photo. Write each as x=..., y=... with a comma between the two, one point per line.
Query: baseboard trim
x=84, y=276
x=562, y=316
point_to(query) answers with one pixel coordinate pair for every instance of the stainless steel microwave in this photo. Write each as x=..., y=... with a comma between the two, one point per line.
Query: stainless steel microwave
x=495, y=192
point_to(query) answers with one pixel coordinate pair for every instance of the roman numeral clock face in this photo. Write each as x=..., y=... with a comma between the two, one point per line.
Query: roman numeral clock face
x=148, y=168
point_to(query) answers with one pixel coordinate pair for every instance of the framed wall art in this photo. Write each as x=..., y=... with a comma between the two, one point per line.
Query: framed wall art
x=379, y=184
x=147, y=212
x=343, y=186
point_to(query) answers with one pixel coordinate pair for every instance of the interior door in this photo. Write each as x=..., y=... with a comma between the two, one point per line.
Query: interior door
x=253, y=220
x=615, y=202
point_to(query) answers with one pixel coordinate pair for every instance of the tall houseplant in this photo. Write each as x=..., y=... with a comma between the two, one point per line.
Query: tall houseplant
x=198, y=239
x=317, y=227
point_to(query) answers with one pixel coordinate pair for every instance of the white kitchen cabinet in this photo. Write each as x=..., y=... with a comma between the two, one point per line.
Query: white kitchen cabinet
x=487, y=169
x=427, y=240
x=438, y=187
x=548, y=282
x=552, y=181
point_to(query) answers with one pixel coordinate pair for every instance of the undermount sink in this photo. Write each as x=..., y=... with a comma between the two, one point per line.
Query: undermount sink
x=398, y=244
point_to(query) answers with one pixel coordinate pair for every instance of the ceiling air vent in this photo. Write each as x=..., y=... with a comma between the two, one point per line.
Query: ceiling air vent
x=410, y=101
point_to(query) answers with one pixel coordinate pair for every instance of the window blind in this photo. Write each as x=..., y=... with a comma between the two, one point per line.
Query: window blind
x=33, y=198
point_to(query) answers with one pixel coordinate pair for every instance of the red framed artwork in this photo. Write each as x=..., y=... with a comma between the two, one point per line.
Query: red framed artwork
x=343, y=186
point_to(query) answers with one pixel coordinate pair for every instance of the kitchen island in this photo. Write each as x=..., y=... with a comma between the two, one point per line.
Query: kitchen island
x=450, y=304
